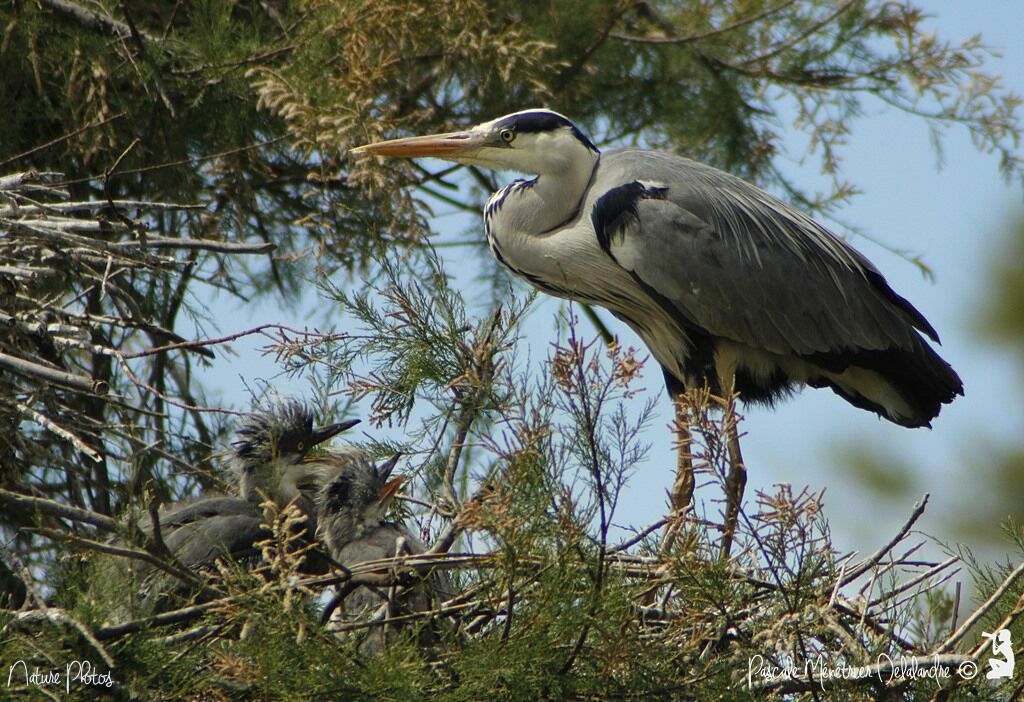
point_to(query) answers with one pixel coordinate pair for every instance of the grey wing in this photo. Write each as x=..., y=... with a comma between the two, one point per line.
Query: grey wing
x=178, y=514
x=232, y=537
x=200, y=542
x=744, y=266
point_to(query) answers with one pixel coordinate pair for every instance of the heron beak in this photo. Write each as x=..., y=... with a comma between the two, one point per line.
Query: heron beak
x=322, y=434
x=450, y=146
x=384, y=469
x=390, y=488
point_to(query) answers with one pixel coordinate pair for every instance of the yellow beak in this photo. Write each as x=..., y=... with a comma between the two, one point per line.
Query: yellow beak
x=448, y=146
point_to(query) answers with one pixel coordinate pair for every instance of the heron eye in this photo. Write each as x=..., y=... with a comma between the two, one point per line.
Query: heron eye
x=507, y=135
x=301, y=446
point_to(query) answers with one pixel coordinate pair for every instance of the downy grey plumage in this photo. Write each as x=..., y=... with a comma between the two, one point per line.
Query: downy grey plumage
x=351, y=509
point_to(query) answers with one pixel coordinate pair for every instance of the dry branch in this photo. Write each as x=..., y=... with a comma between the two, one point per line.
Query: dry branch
x=876, y=558
x=30, y=505
x=90, y=19
x=981, y=611
x=51, y=375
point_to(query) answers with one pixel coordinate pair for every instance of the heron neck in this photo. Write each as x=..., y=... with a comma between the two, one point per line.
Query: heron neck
x=288, y=488
x=279, y=479
x=548, y=201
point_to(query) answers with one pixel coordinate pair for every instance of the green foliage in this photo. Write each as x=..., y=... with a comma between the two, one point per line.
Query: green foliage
x=409, y=349
x=550, y=607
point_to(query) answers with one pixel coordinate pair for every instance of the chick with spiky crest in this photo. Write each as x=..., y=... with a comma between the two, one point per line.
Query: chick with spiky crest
x=354, y=498
x=271, y=446
x=351, y=507
x=271, y=458
x=269, y=451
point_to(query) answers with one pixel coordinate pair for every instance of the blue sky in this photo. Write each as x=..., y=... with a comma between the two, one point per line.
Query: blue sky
x=953, y=216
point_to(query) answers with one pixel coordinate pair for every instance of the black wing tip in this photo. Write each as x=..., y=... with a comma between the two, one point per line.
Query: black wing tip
x=932, y=411
x=919, y=376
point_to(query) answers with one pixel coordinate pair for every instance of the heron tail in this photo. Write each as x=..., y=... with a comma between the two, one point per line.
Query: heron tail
x=905, y=386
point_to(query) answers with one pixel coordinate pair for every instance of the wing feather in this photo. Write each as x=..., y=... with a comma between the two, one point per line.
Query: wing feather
x=745, y=266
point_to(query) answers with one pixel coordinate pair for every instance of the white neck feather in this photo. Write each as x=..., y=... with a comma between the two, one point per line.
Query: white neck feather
x=534, y=207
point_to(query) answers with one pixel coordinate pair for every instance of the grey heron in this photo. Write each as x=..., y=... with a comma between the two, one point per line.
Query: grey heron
x=728, y=287
x=270, y=453
x=351, y=509
x=271, y=457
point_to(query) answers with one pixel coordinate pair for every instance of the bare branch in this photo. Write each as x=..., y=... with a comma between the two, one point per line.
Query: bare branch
x=47, y=423
x=27, y=504
x=52, y=375
x=875, y=558
x=708, y=34
x=981, y=611
x=91, y=19
x=160, y=242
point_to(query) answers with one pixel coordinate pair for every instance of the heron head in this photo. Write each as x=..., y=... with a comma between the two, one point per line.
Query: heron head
x=355, y=497
x=538, y=142
x=272, y=440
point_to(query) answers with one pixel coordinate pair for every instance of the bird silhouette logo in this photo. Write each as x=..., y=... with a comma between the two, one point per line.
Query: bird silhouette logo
x=1003, y=661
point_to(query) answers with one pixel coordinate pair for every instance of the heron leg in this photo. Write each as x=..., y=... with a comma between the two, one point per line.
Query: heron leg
x=682, y=488
x=736, y=480
x=681, y=494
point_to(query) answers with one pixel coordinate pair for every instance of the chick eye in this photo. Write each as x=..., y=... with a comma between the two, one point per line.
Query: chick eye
x=507, y=135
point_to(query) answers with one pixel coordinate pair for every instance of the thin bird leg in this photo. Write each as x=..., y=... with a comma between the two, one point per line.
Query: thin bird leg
x=736, y=480
x=682, y=489
x=681, y=495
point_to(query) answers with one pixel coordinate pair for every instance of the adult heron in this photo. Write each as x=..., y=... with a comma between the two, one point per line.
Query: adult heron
x=729, y=287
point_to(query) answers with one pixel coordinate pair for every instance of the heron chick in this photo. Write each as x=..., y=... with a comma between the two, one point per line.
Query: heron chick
x=271, y=458
x=351, y=509
x=270, y=454
x=271, y=446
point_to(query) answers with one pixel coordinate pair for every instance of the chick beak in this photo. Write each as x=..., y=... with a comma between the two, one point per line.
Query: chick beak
x=322, y=434
x=390, y=488
x=450, y=145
